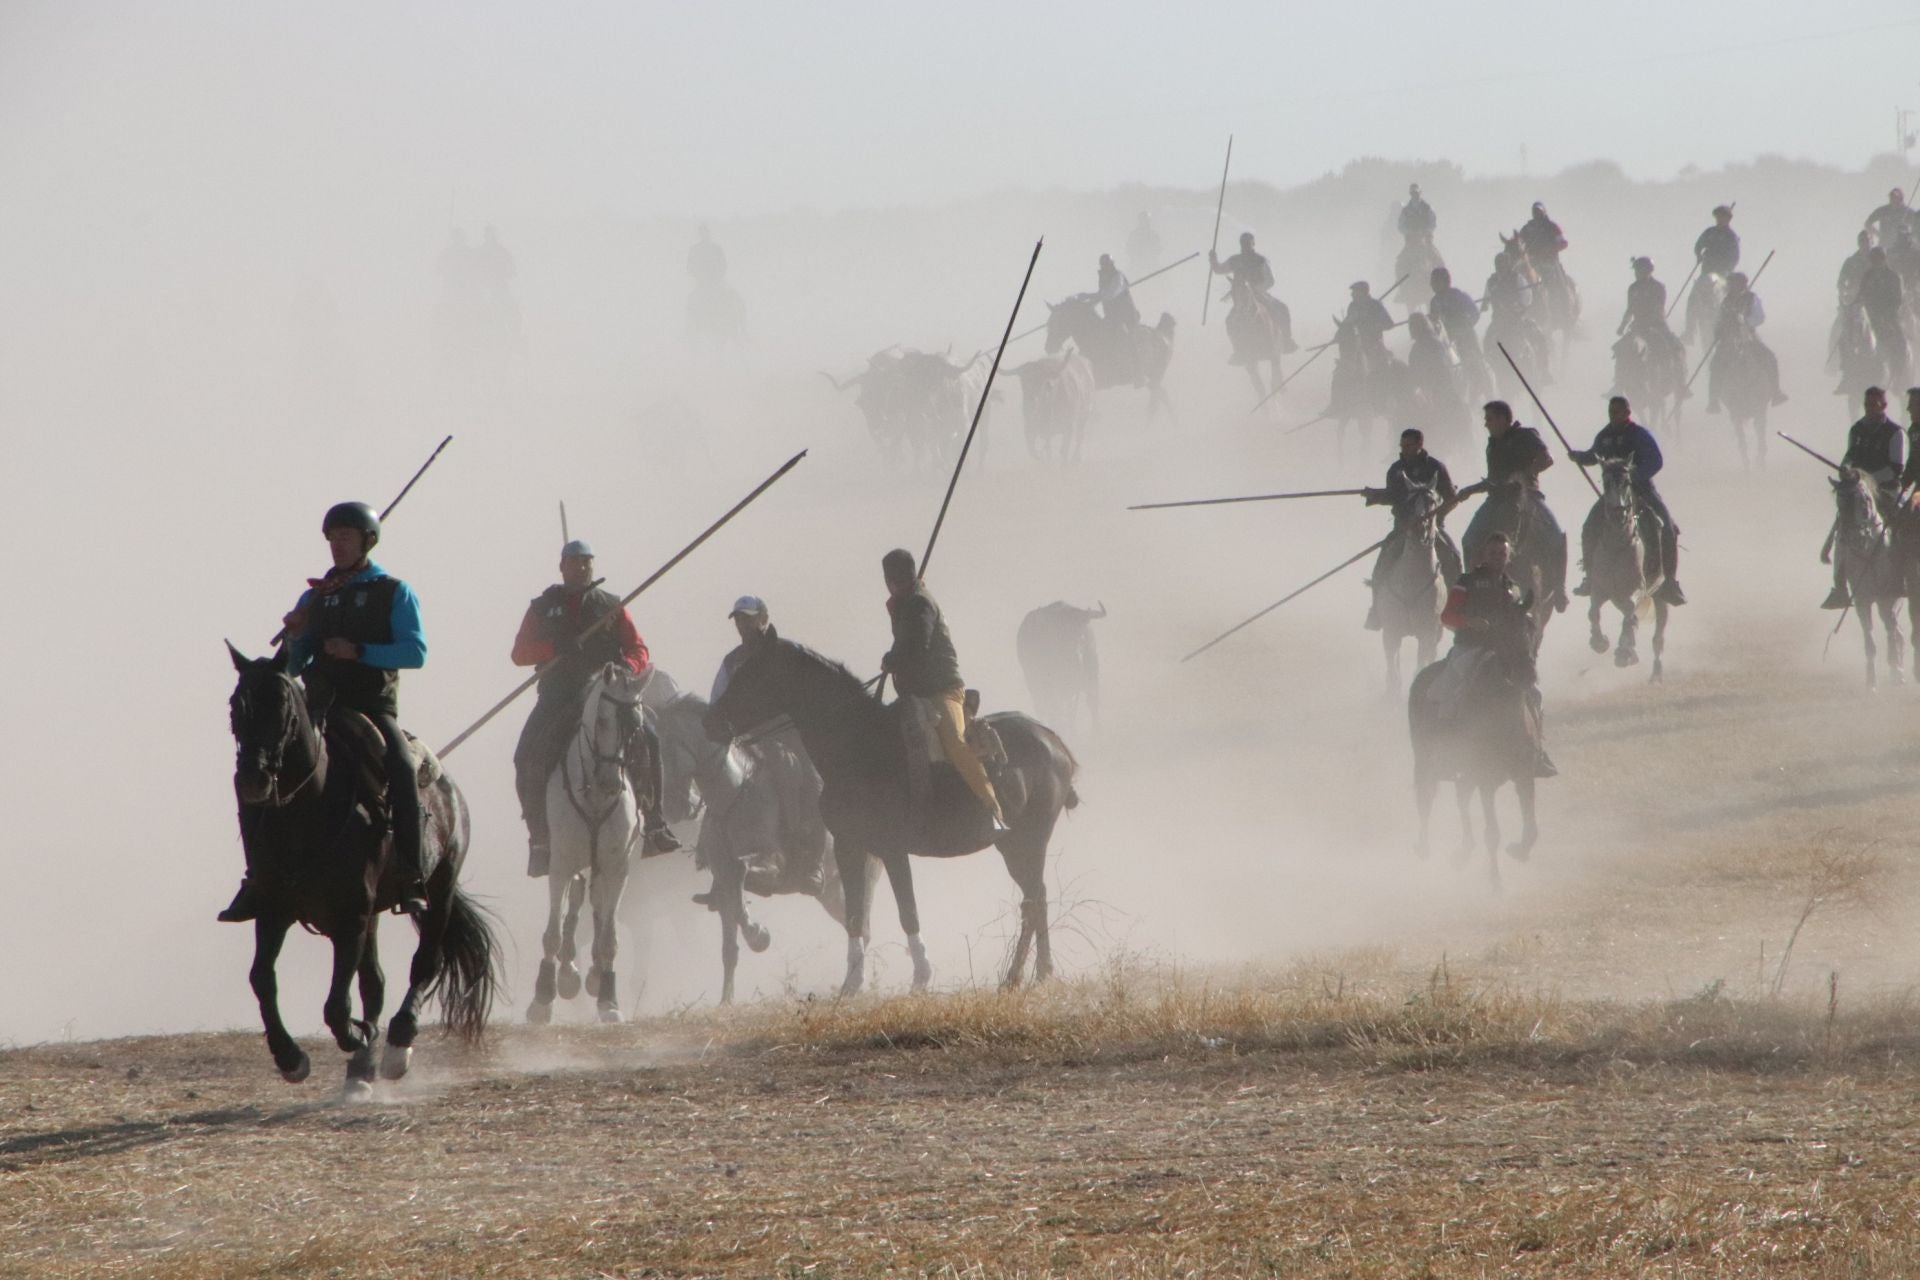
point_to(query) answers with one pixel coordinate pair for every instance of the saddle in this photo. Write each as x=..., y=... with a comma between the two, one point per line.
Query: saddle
x=354, y=741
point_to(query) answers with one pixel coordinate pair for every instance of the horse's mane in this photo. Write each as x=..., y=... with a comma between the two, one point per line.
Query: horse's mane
x=837, y=670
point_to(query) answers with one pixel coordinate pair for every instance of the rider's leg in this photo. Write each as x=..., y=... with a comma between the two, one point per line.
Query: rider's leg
x=1771, y=363
x=1389, y=553
x=1589, y=535
x=646, y=771
x=403, y=801
x=534, y=758
x=949, y=711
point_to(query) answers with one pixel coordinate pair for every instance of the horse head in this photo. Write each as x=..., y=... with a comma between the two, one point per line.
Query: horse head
x=1855, y=505
x=1422, y=511
x=1071, y=318
x=268, y=714
x=1616, y=491
x=753, y=694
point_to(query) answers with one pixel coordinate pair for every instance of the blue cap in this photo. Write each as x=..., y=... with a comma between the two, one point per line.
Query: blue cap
x=753, y=605
x=577, y=547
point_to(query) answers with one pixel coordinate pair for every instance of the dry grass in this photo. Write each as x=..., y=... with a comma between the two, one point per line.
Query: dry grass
x=1340, y=1122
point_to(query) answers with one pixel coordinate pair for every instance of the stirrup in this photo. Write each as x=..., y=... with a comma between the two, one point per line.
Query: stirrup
x=243, y=907
x=1585, y=588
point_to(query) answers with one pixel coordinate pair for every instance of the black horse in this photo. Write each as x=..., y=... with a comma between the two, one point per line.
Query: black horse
x=319, y=855
x=859, y=746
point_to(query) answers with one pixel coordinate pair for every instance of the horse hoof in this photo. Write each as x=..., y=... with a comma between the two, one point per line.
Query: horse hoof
x=592, y=983
x=299, y=1071
x=394, y=1061
x=539, y=1014
x=851, y=987
x=1521, y=850
x=758, y=938
x=356, y=1091
x=610, y=1013
x=1626, y=658
x=567, y=981
x=1598, y=644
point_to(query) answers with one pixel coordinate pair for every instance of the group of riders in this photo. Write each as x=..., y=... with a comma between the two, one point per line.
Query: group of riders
x=357, y=627
x=1878, y=297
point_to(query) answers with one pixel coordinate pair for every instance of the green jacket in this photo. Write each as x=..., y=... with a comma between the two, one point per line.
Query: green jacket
x=922, y=661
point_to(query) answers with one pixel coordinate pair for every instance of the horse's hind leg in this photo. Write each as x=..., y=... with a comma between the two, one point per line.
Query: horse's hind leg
x=1627, y=652
x=1660, y=611
x=900, y=876
x=1597, y=640
x=1026, y=860
x=1865, y=612
x=269, y=935
x=373, y=997
x=1490, y=816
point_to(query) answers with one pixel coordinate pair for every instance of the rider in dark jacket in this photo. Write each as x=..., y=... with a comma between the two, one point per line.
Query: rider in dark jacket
x=1875, y=446
x=1646, y=315
x=1622, y=437
x=1415, y=468
x=1516, y=456
x=353, y=632
x=1717, y=249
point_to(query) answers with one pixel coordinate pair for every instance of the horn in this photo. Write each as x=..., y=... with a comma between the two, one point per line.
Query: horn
x=1100, y=607
x=240, y=660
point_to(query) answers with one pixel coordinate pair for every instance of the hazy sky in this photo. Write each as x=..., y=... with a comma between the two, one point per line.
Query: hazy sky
x=529, y=109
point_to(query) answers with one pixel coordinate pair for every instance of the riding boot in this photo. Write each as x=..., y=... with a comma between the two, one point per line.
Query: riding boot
x=245, y=905
x=648, y=776
x=1838, y=598
x=408, y=833
x=1670, y=592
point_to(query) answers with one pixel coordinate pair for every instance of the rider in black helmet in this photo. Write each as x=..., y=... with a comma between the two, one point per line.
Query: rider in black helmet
x=352, y=633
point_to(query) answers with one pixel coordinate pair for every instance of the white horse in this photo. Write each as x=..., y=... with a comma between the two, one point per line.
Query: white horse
x=593, y=822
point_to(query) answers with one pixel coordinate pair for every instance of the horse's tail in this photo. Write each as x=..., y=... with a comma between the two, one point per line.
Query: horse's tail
x=470, y=976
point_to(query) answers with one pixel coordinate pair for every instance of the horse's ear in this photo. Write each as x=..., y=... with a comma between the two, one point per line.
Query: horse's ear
x=240, y=660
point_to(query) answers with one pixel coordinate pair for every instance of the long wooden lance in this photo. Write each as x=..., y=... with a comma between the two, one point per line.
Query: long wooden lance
x=386, y=511
x=1206, y=295
x=1252, y=497
x=1715, y=344
x=1317, y=353
x=1006, y=336
x=1131, y=284
x=1294, y=431
x=1812, y=453
x=1549, y=417
x=1358, y=555
x=607, y=618
x=565, y=535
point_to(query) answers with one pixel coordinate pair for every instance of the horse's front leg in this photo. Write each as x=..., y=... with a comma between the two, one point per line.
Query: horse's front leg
x=1597, y=639
x=1390, y=645
x=355, y=1038
x=1490, y=815
x=1627, y=652
x=1529, y=828
x=853, y=884
x=545, y=986
x=1863, y=610
x=1896, y=642
x=1660, y=611
x=567, y=973
x=900, y=876
x=608, y=885
x=269, y=935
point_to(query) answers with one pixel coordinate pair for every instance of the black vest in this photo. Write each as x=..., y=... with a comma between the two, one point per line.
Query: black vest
x=561, y=625
x=363, y=613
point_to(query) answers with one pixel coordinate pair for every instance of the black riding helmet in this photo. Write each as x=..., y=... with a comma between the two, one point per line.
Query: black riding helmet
x=352, y=515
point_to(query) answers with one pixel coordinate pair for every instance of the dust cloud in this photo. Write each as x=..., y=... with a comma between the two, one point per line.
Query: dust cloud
x=216, y=320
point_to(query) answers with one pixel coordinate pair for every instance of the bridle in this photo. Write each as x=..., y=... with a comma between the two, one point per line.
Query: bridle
x=274, y=758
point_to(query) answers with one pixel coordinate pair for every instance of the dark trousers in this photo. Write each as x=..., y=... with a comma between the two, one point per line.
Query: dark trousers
x=403, y=799
x=543, y=740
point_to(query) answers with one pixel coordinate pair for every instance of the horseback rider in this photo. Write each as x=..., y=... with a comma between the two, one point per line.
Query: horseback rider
x=1487, y=611
x=1622, y=437
x=751, y=620
x=1143, y=244
x=1368, y=320
x=1416, y=216
x=1717, y=249
x=1457, y=314
x=1741, y=316
x=1646, y=315
x=1893, y=222
x=1114, y=296
x=707, y=261
x=926, y=671
x=1880, y=297
x=570, y=631
x=1542, y=238
x=1910, y=476
x=1414, y=468
x=1432, y=367
x=352, y=633
x=1256, y=273
x=1516, y=456
x=1876, y=447
x=1853, y=268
